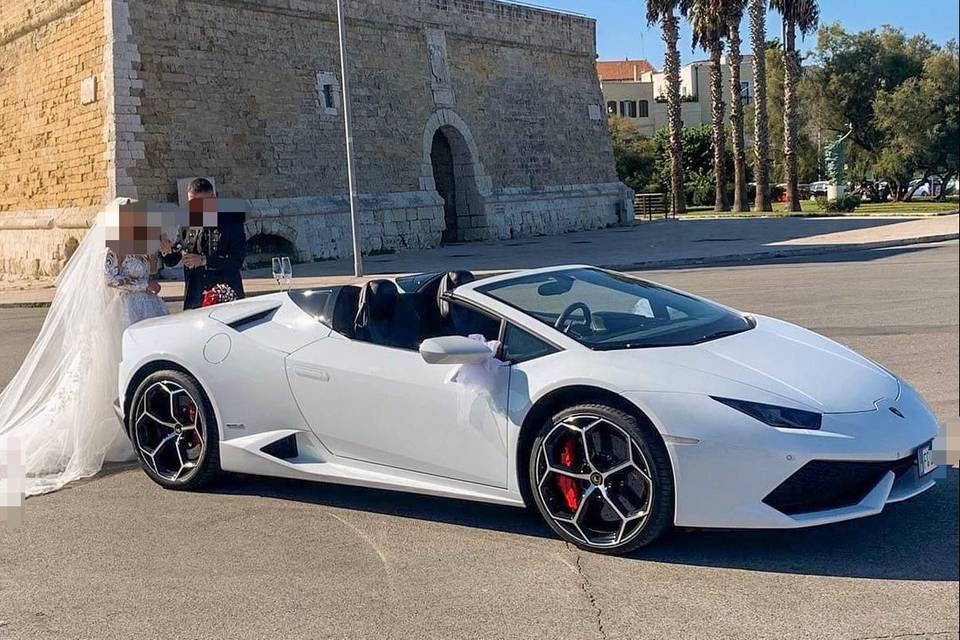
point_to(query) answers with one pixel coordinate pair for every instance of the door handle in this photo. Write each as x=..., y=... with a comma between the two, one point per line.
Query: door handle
x=313, y=374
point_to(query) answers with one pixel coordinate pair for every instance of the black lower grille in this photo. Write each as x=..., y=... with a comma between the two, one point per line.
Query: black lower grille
x=821, y=485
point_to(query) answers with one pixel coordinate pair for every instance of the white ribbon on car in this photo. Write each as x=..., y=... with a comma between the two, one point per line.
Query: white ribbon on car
x=476, y=382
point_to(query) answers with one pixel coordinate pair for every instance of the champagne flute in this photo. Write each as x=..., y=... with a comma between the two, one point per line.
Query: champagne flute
x=277, y=265
x=286, y=268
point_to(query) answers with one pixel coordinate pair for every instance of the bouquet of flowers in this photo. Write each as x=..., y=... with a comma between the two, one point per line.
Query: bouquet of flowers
x=218, y=294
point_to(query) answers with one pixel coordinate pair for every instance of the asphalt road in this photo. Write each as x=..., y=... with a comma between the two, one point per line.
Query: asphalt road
x=117, y=557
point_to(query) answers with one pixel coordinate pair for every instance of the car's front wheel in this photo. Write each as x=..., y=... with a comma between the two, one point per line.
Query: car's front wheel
x=173, y=431
x=601, y=479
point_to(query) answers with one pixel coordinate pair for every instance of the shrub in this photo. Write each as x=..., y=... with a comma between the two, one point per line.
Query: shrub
x=846, y=204
x=699, y=188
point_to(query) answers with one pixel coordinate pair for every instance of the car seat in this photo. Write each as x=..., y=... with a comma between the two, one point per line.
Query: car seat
x=345, y=309
x=387, y=317
x=435, y=308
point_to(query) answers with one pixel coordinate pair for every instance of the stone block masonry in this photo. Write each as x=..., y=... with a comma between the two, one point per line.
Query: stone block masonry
x=471, y=117
x=52, y=148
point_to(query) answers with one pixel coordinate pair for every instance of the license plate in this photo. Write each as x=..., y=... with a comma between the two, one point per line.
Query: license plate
x=925, y=463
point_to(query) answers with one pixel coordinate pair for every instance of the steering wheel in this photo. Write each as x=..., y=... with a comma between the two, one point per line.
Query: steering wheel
x=564, y=319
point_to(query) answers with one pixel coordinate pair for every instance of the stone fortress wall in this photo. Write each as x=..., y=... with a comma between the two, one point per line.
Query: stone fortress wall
x=473, y=119
x=53, y=143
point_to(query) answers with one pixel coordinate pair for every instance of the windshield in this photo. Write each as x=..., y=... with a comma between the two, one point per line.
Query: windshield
x=605, y=310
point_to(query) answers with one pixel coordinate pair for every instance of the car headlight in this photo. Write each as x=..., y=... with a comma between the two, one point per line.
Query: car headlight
x=775, y=416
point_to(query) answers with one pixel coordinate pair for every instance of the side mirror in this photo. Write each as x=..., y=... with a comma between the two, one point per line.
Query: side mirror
x=454, y=350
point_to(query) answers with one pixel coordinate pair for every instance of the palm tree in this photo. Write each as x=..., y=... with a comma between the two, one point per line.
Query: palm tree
x=664, y=12
x=733, y=10
x=761, y=132
x=709, y=29
x=803, y=15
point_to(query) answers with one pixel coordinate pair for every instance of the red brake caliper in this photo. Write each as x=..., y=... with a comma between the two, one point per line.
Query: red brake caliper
x=569, y=487
x=192, y=417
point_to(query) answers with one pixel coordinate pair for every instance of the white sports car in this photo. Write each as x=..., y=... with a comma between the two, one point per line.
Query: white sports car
x=615, y=406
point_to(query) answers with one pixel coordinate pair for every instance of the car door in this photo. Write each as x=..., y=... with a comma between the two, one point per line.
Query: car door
x=386, y=406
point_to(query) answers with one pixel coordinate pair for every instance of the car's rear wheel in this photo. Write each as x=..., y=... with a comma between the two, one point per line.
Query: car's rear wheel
x=174, y=431
x=601, y=479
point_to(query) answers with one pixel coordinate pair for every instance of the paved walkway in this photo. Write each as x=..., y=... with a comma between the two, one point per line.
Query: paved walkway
x=642, y=246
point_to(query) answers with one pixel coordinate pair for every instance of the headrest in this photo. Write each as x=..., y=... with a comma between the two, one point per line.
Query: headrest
x=448, y=283
x=378, y=300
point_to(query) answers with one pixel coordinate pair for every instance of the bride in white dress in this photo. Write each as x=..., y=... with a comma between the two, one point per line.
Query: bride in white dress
x=56, y=414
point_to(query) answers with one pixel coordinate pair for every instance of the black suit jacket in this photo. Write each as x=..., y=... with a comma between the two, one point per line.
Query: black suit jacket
x=224, y=246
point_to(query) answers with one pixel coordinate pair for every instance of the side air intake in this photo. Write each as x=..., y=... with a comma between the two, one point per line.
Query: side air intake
x=284, y=448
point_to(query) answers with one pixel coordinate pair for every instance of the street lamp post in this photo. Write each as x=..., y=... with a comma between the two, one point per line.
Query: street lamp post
x=348, y=131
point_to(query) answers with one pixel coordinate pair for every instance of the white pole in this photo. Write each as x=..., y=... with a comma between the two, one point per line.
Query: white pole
x=348, y=131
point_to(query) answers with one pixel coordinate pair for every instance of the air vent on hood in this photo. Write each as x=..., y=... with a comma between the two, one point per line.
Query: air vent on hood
x=253, y=321
x=246, y=313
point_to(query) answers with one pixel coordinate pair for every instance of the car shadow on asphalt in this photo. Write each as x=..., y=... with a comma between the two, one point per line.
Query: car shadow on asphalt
x=394, y=503
x=914, y=540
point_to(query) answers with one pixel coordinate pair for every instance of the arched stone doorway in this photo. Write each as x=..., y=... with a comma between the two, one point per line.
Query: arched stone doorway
x=268, y=239
x=452, y=168
x=263, y=247
x=444, y=175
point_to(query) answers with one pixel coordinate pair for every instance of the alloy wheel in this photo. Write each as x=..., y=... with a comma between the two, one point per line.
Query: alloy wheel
x=168, y=431
x=594, y=481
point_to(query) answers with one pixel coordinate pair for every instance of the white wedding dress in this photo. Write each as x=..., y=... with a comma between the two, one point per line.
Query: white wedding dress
x=56, y=414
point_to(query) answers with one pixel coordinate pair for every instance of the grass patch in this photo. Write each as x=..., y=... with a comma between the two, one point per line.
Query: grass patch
x=810, y=208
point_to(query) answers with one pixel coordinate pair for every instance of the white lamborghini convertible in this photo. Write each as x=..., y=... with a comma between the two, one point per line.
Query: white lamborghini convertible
x=615, y=406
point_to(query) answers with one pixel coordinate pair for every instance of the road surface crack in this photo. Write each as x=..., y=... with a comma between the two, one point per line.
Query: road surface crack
x=585, y=586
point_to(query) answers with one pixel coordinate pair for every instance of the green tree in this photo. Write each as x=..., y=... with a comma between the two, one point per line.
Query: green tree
x=635, y=154
x=851, y=70
x=698, y=168
x=919, y=122
x=709, y=21
x=761, y=126
x=664, y=13
x=802, y=15
x=806, y=147
x=733, y=11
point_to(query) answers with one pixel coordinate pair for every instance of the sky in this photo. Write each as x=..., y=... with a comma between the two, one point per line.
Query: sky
x=622, y=31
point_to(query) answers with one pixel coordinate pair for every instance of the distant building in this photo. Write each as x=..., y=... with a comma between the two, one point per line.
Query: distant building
x=635, y=91
x=623, y=70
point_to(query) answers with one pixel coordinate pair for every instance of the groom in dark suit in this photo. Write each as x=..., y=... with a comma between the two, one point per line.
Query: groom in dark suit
x=211, y=255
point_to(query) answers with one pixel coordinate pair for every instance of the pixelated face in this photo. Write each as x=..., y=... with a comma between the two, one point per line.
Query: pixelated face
x=203, y=211
x=135, y=230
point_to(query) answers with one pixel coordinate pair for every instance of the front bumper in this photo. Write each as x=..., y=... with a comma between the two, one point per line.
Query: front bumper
x=726, y=464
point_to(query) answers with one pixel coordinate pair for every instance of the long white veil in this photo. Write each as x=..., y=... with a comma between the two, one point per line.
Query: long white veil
x=57, y=411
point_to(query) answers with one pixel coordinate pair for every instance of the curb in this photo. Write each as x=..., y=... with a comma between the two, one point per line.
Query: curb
x=730, y=259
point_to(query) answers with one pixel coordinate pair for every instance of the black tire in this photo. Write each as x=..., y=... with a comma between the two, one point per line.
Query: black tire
x=146, y=432
x=627, y=487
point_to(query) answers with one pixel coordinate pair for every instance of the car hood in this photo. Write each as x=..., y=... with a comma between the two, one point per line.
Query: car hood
x=781, y=359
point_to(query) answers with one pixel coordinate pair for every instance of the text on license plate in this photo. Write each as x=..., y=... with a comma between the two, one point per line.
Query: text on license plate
x=925, y=463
